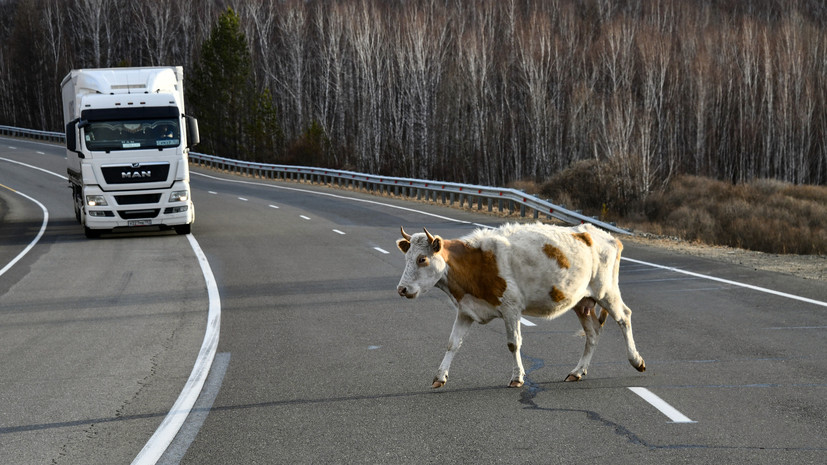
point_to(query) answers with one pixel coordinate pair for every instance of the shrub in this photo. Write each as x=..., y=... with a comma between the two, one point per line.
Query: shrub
x=764, y=215
x=598, y=188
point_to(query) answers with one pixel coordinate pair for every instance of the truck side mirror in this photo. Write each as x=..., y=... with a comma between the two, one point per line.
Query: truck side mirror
x=72, y=136
x=192, y=131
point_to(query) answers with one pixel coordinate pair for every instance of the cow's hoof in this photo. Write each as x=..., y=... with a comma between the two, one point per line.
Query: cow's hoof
x=642, y=367
x=572, y=377
x=515, y=383
x=438, y=384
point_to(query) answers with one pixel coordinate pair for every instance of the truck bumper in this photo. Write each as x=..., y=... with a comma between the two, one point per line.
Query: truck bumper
x=137, y=209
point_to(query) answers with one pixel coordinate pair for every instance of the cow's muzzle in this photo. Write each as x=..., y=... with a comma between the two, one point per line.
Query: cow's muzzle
x=404, y=292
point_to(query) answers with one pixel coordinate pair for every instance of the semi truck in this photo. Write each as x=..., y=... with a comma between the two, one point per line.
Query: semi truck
x=127, y=144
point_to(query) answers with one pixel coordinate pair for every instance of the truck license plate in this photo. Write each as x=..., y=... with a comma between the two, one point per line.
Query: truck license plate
x=140, y=223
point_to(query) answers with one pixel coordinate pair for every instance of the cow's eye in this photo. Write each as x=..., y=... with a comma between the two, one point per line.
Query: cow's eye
x=422, y=260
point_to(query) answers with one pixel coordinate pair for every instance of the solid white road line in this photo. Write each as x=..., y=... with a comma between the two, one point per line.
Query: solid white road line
x=660, y=404
x=338, y=232
x=169, y=427
x=36, y=238
x=183, y=440
x=732, y=283
x=35, y=168
x=381, y=250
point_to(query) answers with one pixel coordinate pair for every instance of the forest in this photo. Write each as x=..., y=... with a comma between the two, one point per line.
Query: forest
x=477, y=91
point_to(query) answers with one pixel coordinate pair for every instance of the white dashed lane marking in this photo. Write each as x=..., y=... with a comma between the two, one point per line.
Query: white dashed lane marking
x=526, y=322
x=660, y=404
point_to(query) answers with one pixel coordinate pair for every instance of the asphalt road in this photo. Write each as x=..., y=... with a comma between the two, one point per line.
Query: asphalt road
x=319, y=361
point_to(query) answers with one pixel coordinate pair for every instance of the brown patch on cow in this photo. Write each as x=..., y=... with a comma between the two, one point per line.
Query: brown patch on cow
x=554, y=253
x=585, y=237
x=472, y=271
x=557, y=295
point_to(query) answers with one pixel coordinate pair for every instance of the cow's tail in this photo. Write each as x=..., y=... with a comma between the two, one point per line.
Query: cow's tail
x=616, y=270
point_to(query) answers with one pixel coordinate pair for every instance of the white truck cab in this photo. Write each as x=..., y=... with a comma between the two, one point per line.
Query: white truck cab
x=127, y=141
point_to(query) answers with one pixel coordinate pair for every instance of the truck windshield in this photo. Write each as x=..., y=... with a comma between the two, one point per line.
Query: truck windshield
x=132, y=134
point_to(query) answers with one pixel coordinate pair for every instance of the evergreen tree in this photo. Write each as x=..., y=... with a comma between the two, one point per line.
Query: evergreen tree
x=234, y=119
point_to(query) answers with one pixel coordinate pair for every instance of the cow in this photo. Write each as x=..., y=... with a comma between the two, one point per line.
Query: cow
x=521, y=269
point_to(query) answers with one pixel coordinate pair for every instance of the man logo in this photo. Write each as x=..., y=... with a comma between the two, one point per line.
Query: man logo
x=135, y=174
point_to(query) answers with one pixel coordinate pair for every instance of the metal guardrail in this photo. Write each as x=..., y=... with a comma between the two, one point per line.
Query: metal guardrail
x=32, y=134
x=446, y=192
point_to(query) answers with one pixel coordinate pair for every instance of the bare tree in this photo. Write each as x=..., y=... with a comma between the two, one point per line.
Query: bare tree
x=157, y=28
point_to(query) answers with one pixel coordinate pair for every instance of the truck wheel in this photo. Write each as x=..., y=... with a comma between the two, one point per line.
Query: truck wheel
x=183, y=229
x=91, y=233
x=78, y=201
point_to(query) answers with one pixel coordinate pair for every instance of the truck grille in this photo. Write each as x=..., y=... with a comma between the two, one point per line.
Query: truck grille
x=136, y=199
x=139, y=173
x=138, y=214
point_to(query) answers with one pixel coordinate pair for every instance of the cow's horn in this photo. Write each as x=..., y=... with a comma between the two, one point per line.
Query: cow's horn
x=404, y=234
x=430, y=237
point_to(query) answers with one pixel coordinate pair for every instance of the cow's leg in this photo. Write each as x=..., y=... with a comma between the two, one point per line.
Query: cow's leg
x=461, y=326
x=623, y=316
x=585, y=310
x=515, y=341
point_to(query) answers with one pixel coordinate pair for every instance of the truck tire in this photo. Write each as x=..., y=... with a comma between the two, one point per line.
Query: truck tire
x=78, y=201
x=91, y=233
x=183, y=229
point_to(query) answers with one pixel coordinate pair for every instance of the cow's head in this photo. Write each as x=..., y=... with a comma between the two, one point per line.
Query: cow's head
x=424, y=265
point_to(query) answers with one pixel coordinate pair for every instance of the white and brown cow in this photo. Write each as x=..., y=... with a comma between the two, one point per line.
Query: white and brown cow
x=534, y=269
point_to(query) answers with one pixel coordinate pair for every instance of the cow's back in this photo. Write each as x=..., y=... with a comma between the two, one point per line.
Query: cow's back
x=547, y=268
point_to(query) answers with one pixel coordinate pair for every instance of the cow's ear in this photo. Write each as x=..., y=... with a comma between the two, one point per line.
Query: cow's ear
x=436, y=245
x=403, y=245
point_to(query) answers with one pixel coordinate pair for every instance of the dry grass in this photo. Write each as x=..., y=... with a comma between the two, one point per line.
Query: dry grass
x=763, y=215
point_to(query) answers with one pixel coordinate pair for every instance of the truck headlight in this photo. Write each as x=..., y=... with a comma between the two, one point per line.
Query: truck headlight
x=96, y=201
x=179, y=196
